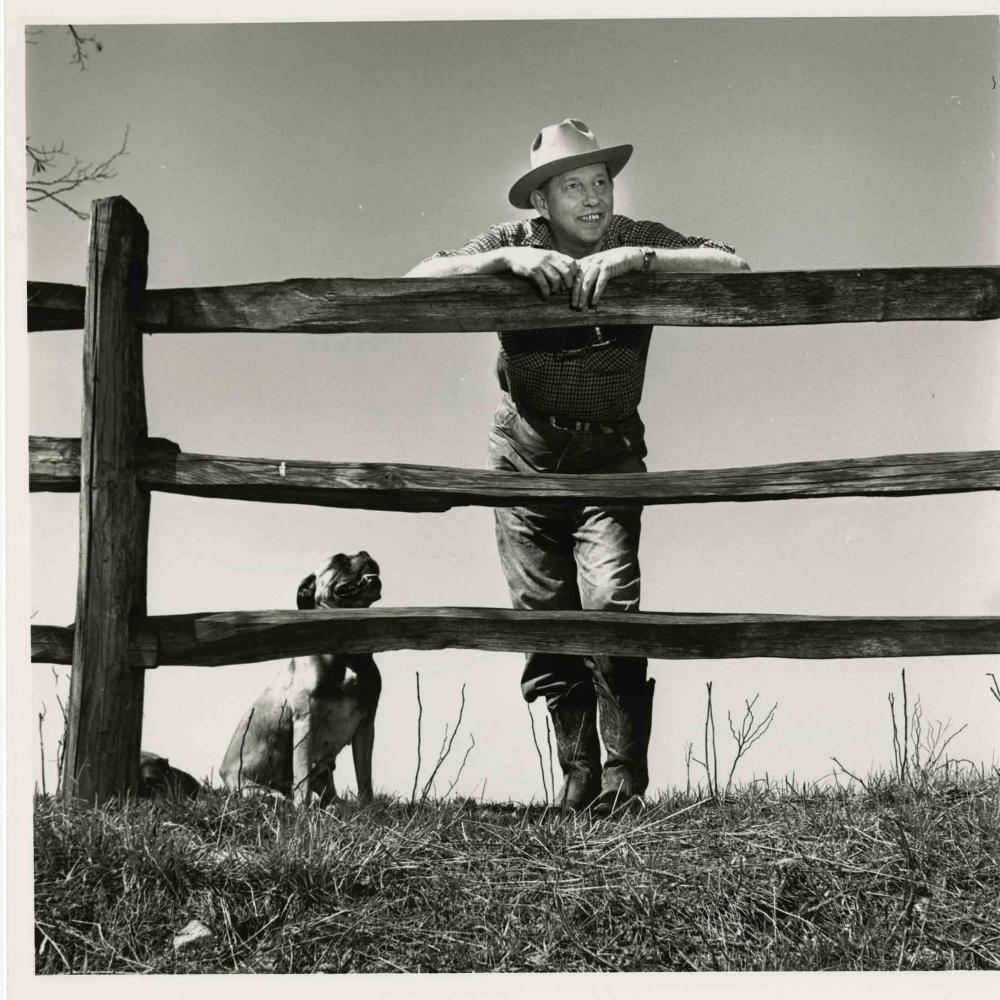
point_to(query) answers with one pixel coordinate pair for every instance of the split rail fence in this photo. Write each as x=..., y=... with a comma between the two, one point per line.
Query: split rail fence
x=115, y=466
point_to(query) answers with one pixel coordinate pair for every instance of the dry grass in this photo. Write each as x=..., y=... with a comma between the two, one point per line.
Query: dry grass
x=888, y=877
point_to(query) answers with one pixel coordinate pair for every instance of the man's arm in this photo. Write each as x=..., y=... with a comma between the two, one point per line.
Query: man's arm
x=549, y=270
x=693, y=259
x=599, y=268
x=447, y=266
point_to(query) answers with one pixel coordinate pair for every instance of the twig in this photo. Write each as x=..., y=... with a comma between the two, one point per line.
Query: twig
x=41, y=189
x=80, y=56
x=713, y=784
x=461, y=768
x=917, y=737
x=750, y=732
x=897, y=753
x=538, y=750
x=41, y=159
x=548, y=739
x=906, y=724
x=748, y=735
x=420, y=719
x=41, y=744
x=936, y=754
x=851, y=774
x=61, y=744
x=994, y=687
x=445, y=750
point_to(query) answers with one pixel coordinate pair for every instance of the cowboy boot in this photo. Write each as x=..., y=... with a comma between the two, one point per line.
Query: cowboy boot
x=626, y=721
x=579, y=755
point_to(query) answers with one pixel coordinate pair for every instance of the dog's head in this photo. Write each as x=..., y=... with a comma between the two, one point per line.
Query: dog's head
x=342, y=582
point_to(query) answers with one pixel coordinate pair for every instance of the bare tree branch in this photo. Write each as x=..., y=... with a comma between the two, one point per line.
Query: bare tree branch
x=61, y=180
x=80, y=43
x=42, y=158
x=67, y=180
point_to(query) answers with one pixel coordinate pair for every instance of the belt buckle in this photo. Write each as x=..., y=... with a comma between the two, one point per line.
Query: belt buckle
x=566, y=424
x=584, y=426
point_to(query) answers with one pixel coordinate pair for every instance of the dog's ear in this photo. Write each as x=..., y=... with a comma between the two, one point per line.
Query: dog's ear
x=306, y=597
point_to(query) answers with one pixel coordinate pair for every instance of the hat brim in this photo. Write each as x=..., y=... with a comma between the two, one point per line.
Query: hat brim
x=614, y=156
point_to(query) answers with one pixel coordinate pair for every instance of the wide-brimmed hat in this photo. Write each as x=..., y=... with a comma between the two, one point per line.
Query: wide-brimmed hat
x=562, y=147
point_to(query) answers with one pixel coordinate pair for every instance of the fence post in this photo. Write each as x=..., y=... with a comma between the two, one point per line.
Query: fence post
x=104, y=724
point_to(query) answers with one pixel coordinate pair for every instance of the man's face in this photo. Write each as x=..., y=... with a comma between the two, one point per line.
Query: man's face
x=578, y=206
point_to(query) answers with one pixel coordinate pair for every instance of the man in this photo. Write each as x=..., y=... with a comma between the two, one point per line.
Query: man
x=570, y=405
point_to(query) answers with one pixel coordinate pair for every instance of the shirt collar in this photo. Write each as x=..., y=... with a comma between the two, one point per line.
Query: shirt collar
x=541, y=236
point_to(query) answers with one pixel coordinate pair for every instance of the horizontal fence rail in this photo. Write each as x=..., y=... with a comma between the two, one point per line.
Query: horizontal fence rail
x=216, y=638
x=54, y=644
x=55, y=467
x=490, y=302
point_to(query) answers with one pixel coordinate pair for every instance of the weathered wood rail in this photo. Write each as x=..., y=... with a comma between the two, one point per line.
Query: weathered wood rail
x=214, y=638
x=489, y=302
x=162, y=466
x=115, y=467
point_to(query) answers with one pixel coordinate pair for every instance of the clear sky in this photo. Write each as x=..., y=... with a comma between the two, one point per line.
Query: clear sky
x=263, y=152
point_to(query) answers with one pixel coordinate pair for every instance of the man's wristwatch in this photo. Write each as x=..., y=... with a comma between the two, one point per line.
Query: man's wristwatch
x=647, y=259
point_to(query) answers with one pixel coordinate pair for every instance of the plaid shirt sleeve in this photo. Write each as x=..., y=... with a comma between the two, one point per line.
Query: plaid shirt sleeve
x=625, y=232
x=507, y=234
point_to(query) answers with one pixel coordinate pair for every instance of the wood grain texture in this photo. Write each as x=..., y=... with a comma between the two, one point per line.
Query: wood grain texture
x=54, y=306
x=212, y=639
x=53, y=464
x=54, y=644
x=105, y=703
x=491, y=302
x=54, y=467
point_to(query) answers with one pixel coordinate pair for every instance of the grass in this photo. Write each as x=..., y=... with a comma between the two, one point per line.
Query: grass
x=891, y=875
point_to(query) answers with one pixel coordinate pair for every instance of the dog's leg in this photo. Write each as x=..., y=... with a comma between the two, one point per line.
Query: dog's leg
x=323, y=785
x=301, y=757
x=361, y=748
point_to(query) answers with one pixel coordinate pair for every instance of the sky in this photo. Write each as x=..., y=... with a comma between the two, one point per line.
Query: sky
x=271, y=151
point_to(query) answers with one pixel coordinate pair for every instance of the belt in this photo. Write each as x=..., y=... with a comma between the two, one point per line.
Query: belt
x=587, y=426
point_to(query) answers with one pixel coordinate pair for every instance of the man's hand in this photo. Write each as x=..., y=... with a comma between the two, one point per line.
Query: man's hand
x=598, y=269
x=548, y=269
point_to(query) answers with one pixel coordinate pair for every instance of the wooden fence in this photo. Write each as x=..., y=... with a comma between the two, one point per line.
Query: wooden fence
x=115, y=466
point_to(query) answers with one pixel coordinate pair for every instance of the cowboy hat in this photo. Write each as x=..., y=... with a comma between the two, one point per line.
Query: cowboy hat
x=562, y=147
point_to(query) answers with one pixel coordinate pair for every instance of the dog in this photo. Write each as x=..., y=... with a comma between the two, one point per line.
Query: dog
x=159, y=779
x=289, y=739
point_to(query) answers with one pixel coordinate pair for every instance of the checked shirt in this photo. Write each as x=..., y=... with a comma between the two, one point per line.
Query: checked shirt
x=582, y=372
